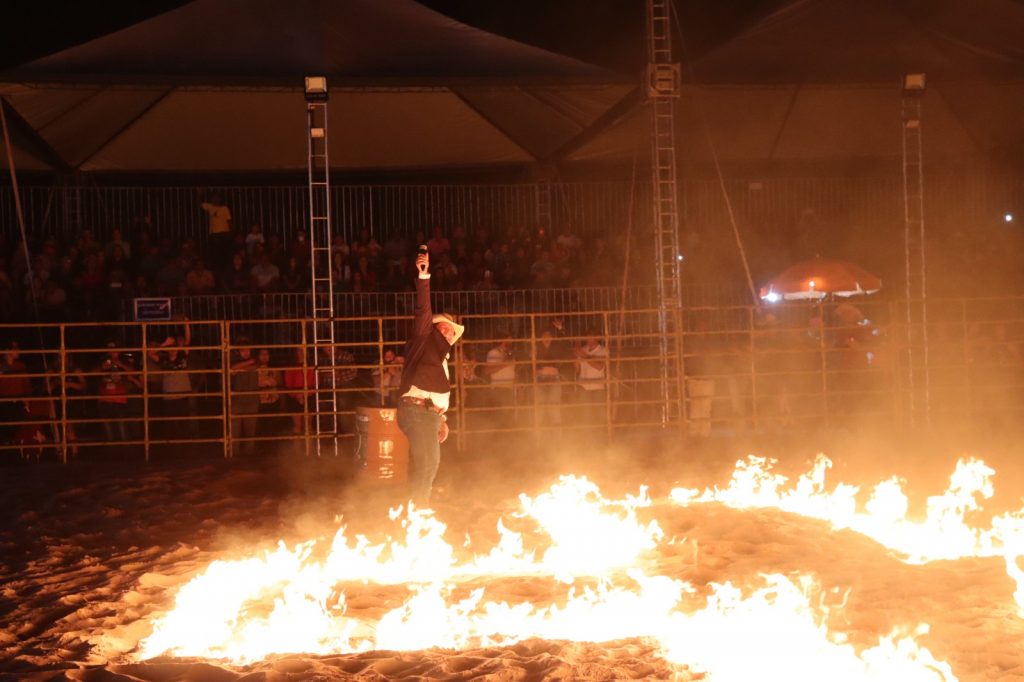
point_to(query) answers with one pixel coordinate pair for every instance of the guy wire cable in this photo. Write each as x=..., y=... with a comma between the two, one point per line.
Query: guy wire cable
x=28, y=264
x=718, y=166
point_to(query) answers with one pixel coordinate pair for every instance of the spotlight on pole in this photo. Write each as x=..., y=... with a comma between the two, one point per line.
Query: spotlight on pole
x=316, y=88
x=913, y=83
x=1007, y=217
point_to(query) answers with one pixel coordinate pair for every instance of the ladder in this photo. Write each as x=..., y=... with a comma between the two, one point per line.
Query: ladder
x=325, y=406
x=663, y=81
x=914, y=255
x=542, y=197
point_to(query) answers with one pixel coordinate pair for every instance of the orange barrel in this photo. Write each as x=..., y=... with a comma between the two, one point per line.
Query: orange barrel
x=382, y=451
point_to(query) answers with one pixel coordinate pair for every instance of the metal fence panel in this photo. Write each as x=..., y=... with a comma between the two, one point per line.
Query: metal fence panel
x=586, y=208
x=841, y=364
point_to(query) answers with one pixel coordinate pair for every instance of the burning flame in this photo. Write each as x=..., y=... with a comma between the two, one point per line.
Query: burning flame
x=299, y=599
x=944, y=533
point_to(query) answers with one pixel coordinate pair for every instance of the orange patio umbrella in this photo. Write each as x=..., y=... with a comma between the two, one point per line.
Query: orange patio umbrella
x=819, y=277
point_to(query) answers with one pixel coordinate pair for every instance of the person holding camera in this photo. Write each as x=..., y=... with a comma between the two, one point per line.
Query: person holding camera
x=245, y=399
x=116, y=384
x=425, y=390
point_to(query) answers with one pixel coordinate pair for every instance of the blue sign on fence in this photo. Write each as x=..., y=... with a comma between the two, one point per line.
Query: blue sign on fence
x=152, y=309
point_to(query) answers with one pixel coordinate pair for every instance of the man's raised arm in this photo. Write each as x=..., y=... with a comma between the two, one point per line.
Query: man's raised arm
x=423, y=312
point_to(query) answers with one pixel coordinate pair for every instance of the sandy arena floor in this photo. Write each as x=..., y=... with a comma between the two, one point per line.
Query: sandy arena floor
x=90, y=554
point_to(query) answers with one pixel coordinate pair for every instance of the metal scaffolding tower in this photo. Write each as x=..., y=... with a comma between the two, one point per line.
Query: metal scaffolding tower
x=914, y=249
x=663, y=81
x=325, y=405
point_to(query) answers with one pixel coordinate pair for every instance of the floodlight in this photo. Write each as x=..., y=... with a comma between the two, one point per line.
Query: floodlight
x=316, y=88
x=1008, y=218
x=914, y=83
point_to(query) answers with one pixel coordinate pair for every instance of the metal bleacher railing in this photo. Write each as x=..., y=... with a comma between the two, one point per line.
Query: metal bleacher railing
x=969, y=195
x=76, y=389
x=297, y=305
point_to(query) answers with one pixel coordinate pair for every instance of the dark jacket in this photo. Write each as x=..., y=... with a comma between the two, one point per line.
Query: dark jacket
x=426, y=350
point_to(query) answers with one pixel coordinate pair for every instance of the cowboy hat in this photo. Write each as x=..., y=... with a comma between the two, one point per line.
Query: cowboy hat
x=449, y=319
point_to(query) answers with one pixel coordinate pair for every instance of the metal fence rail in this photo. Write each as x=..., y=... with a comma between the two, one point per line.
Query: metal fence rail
x=586, y=208
x=270, y=306
x=153, y=387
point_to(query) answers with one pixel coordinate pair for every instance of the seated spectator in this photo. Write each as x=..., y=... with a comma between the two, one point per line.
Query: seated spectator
x=107, y=302
x=87, y=244
x=53, y=303
x=438, y=244
x=117, y=242
x=199, y=279
x=142, y=227
x=274, y=249
x=485, y=283
x=540, y=280
x=265, y=275
x=64, y=275
x=450, y=272
x=296, y=278
x=543, y=265
x=237, y=279
x=341, y=273
x=254, y=237
x=152, y=263
x=299, y=248
x=365, y=245
x=397, y=276
x=519, y=268
x=33, y=293
x=93, y=279
x=339, y=245
x=367, y=276
x=171, y=276
x=143, y=289
x=189, y=252
x=39, y=271
x=395, y=247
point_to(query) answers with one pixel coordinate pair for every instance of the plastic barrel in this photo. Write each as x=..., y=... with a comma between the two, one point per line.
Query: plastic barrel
x=382, y=452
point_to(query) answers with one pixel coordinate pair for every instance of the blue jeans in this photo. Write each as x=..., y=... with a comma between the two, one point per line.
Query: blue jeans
x=420, y=425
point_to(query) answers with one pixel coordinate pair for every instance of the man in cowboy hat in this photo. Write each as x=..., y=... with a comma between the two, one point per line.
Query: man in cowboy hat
x=426, y=385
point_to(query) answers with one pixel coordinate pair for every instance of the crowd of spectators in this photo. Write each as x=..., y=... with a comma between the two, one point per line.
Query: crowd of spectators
x=90, y=276
x=118, y=393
